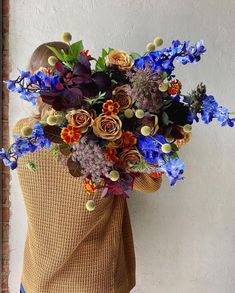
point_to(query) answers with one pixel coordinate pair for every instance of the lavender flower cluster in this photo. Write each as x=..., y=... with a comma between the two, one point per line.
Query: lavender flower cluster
x=91, y=158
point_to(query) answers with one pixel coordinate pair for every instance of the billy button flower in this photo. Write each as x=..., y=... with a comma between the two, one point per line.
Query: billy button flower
x=110, y=107
x=175, y=87
x=70, y=134
x=89, y=186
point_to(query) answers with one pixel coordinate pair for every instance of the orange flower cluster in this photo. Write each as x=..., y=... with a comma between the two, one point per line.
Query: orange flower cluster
x=89, y=186
x=70, y=134
x=175, y=87
x=110, y=107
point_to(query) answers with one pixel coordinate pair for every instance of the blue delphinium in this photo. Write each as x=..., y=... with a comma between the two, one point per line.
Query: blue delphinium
x=29, y=85
x=209, y=110
x=24, y=145
x=174, y=170
x=150, y=148
x=163, y=60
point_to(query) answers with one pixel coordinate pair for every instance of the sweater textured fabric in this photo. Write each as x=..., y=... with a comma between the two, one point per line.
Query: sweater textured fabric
x=69, y=249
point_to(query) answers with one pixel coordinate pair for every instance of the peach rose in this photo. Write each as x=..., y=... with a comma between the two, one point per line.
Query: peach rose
x=108, y=127
x=183, y=141
x=121, y=59
x=80, y=118
x=129, y=158
x=121, y=96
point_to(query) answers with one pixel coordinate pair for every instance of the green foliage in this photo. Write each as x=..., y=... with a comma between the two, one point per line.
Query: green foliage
x=71, y=58
x=135, y=55
x=101, y=62
x=96, y=100
x=54, y=150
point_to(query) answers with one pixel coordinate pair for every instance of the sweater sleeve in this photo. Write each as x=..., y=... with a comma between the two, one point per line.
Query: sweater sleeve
x=146, y=183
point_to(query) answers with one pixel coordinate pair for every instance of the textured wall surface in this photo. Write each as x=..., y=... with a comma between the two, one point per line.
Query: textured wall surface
x=185, y=235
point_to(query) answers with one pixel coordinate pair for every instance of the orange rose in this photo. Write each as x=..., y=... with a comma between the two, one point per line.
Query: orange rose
x=121, y=59
x=129, y=158
x=108, y=127
x=120, y=95
x=80, y=118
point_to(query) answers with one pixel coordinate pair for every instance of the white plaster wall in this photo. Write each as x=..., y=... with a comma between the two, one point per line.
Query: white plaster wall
x=185, y=235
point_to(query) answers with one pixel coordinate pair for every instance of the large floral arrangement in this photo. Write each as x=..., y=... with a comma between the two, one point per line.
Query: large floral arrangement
x=110, y=122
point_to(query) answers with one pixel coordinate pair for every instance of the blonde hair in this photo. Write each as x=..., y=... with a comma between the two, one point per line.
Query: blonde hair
x=39, y=59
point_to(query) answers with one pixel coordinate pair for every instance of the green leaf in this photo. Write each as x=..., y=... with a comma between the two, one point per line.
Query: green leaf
x=165, y=118
x=65, y=149
x=135, y=55
x=76, y=48
x=53, y=133
x=56, y=52
x=174, y=147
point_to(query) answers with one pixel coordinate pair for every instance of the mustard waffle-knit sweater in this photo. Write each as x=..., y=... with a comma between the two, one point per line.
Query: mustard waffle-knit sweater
x=69, y=249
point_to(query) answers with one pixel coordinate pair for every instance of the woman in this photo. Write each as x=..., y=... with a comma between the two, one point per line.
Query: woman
x=69, y=249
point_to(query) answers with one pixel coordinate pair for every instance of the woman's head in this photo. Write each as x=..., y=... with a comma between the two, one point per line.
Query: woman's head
x=39, y=59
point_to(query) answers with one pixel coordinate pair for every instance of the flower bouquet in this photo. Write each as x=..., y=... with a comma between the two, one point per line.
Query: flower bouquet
x=112, y=121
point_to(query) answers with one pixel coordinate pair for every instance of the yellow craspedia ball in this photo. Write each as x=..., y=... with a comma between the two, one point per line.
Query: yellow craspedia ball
x=90, y=205
x=150, y=47
x=158, y=41
x=145, y=130
x=66, y=37
x=163, y=87
x=139, y=113
x=26, y=130
x=114, y=175
x=170, y=139
x=52, y=60
x=128, y=113
x=52, y=120
x=187, y=128
x=166, y=148
x=60, y=119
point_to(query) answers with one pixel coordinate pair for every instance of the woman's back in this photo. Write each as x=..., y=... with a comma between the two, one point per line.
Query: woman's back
x=69, y=249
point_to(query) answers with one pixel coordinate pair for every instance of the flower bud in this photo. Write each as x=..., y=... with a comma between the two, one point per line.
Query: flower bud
x=26, y=130
x=158, y=41
x=163, y=87
x=166, y=148
x=150, y=47
x=31, y=166
x=145, y=130
x=52, y=120
x=170, y=139
x=52, y=60
x=139, y=114
x=114, y=175
x=187, y=128
x=60, y=119
x=90, y=205
x=66, y=37
x=128, y=113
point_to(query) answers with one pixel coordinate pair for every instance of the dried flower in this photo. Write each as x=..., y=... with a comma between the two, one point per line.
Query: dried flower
x=121, y=96
x=145, y=89
x=80, y=118
x=108, y=127
x=121, y=59
x=129, y=157
x=110, y=154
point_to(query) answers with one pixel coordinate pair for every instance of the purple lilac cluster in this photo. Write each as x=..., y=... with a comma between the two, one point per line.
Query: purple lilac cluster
x=91, y=158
